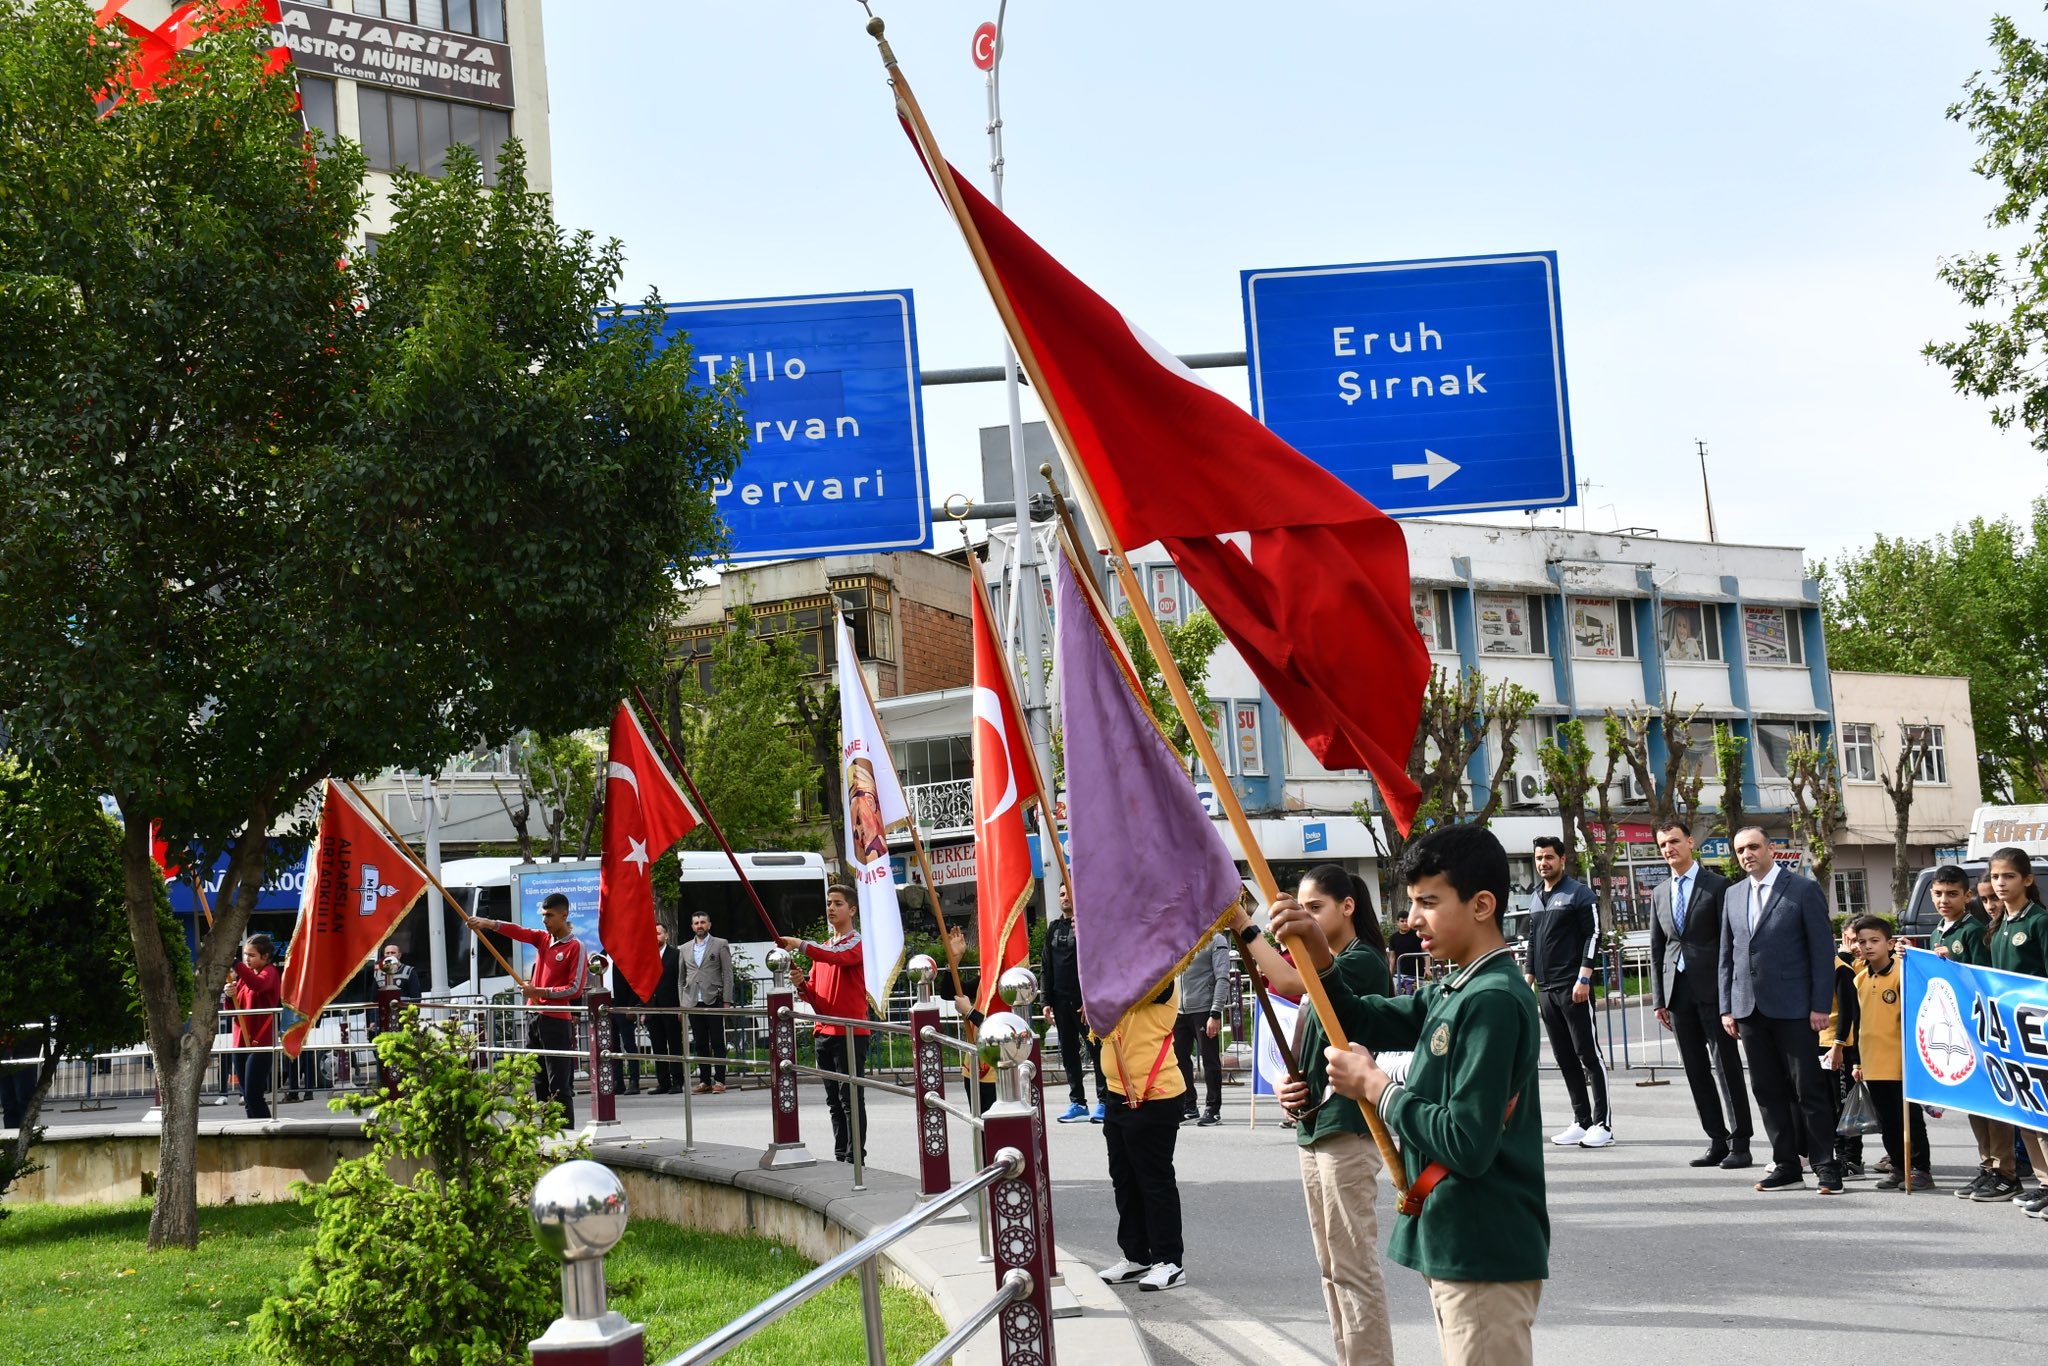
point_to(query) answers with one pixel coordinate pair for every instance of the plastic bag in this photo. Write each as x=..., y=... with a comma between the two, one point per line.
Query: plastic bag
x=1859, y=1115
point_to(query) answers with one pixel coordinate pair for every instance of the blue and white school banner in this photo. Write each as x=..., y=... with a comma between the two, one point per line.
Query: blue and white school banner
x=1269, y=1069
x=1976, y=1039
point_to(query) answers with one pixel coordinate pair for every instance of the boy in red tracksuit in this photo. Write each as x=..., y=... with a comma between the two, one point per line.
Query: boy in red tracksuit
x=557, y=980
x=835, y=986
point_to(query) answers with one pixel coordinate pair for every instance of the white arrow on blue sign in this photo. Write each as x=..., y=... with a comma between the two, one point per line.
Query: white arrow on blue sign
x=1431, y=387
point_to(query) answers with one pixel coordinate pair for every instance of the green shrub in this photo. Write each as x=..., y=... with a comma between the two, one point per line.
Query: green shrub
x=424, y=1254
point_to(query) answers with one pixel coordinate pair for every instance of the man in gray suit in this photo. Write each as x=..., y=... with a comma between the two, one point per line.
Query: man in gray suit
x=1777, y=980
x=707, y=981
x=1685, y=987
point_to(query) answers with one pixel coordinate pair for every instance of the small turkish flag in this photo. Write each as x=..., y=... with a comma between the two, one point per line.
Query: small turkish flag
x=644, y=813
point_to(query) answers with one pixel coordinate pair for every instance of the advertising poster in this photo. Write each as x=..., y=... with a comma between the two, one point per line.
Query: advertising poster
x=1595, y=633
x=577, y=881
x=1425, y=615
x=1763, y=628
x=1683, y=632
x=1504, y=626
x=1251, y=755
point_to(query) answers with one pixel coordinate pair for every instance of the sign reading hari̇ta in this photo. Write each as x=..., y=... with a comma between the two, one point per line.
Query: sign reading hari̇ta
x=1976, y=1039
x=425, y=61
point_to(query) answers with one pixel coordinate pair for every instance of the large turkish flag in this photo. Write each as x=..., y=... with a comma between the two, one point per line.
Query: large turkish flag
x=644, y=813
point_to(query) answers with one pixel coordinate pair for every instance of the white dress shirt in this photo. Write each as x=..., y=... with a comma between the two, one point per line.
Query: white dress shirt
x=1760, y=895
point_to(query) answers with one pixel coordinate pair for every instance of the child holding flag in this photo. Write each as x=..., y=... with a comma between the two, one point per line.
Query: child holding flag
x=1474, y=1222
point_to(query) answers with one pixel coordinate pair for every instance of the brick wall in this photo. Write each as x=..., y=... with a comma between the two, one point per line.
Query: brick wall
x=934, y=648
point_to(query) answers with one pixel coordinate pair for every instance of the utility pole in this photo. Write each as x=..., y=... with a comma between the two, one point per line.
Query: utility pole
x=1706, y=491
x=1027, y=600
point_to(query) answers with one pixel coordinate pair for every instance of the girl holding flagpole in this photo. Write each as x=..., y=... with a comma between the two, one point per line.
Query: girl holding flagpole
x=1340, y=1163
x=2018, y=941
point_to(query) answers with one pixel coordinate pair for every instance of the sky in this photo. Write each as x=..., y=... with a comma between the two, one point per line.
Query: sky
x=1748, y=201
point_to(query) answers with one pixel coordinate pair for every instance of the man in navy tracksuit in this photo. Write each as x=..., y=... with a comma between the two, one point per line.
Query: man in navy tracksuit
x=1564, y=948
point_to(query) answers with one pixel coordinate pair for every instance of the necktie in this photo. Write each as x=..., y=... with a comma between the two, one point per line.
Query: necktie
x=1681, y=893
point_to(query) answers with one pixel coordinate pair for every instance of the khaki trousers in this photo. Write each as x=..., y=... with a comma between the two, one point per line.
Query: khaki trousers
x=1485, y=1323
x=1340, y=1180
x=1994, y=1145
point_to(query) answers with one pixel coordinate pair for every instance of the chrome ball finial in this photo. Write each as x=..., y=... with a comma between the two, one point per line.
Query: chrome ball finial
x=1018, y=988
x=778, y=960
x=579, y=1210
x=922, y=968
x=1004, y=1038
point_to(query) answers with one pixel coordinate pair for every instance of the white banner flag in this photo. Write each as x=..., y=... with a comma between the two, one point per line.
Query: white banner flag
x=873, y=802
x=1268, y=1069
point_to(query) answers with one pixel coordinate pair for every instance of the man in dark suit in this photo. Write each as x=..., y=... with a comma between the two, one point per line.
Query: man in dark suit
x=665, y=1032
x=1777, y=981
x=1685, y=987
x=707, y=981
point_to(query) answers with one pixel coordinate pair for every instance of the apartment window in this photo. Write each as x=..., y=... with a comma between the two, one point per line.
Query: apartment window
x=1852, y=892
x=1433, y=617
x=1250, y=742
x=1511, y=623
x=1930, y=764
x=1690, y=632
x=1773, y=741
x=1859, y=754
x=1217, y=716
x=414, y=133
x=1771, y=635
x=865, y=602
x=316, y=94
x=484, y=18
x=943, y=760
x=1603, y=628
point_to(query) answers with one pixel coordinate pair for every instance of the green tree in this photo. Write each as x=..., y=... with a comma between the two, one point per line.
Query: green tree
x=273, y=508
x=1567, y=762
x=744, y=739
x=423, y=1255
x=1818, y=816
x=1728, y=752
x=1971, y=603
x=1191, y=643
x=67, y=979
x=2000, y=358
x=1673, y=792
x=558, y=790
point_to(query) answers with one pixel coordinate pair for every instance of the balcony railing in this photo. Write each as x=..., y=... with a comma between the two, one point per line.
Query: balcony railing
x=942, y=808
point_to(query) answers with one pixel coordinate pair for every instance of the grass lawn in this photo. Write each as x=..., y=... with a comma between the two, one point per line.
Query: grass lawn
x=80, y=1289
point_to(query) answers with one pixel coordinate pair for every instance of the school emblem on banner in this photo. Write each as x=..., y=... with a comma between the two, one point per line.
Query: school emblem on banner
x=1940, y=1036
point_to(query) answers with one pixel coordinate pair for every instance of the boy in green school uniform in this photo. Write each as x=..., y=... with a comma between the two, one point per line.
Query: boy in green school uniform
x=1467, y=1114
x=1960, y=939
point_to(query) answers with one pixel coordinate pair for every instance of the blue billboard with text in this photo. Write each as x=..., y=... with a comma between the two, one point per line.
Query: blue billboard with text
x=1431, y=387
x=835, y=458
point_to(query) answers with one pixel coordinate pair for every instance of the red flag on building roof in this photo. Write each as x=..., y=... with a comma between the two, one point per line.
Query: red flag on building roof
x=644, y=813
x=1307, y=579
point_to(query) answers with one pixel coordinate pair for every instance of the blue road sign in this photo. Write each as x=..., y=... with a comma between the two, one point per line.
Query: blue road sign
x=1429, y=386
x=835, y=457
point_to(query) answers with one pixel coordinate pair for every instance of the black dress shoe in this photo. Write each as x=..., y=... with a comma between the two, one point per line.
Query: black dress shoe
x=1712, y=1157
x=1736, y=1160
x=1782, y=1179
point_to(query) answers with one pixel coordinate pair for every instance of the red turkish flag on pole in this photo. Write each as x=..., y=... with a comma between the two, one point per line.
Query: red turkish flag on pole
x=644, y=813
x=1307, y=579
x=358, y=885
x=1005, y=778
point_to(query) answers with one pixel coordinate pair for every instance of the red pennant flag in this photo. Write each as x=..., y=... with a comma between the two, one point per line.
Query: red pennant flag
x=1005, y=778
x=358, y=885
x=1307, y=579
x=644, y=813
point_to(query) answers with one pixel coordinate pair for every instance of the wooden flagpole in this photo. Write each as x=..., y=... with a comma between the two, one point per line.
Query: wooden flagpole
x=428, y=873
x=704, y=810
x=1091, y=503
x=916, y=841
x=1070, y=545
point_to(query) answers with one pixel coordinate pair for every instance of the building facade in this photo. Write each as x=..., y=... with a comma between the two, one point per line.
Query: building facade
x=1882, y=720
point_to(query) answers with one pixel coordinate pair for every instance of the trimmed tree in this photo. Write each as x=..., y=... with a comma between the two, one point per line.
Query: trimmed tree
x=269, y=512
x=1818, y=816
x=1898, y=784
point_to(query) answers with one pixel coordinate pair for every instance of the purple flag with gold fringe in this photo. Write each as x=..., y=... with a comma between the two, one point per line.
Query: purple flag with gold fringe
x=1152, y=877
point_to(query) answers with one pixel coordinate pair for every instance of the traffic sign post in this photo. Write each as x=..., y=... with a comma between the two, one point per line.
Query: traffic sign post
x=1431, y=387
x=835, y=459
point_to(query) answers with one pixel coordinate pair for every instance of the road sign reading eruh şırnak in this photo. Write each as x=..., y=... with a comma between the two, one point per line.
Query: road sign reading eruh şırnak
x=1429, y=386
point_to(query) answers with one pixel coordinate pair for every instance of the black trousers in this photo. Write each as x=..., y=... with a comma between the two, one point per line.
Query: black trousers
x=1074, y=1043
x=1696, y=1024
x=1848, y=1147
x=1141, y=1141
x=1570, y=1026
x=625, y=1040
x=556, y=1080
x=255, y=1068
x=832, y=1058
x=665, y=1041
x=1794, y=1093
x=1892, y=1111
x=1188, y=1030
x=707, y=1040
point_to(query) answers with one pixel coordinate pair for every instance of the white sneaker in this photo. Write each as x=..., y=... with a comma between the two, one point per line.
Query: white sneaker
x=1570, y=1138
x=1165, y=1276
x=1599, y=1136
x=1123, y=1273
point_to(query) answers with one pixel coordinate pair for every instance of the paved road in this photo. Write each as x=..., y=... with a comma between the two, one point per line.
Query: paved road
x=1650, y=1259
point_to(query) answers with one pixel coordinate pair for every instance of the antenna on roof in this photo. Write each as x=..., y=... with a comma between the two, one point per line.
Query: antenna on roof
x=1706, y=491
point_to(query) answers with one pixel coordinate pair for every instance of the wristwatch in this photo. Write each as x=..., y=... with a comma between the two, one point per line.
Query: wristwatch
x=1250, y=934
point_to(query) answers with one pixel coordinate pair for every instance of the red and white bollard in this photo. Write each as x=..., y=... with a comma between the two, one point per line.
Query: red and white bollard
x=1019, y=990
x=388, y=1004
x=1021, y=1237
x=934, y=1157
x=786, y=1145
x=604, y=1100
